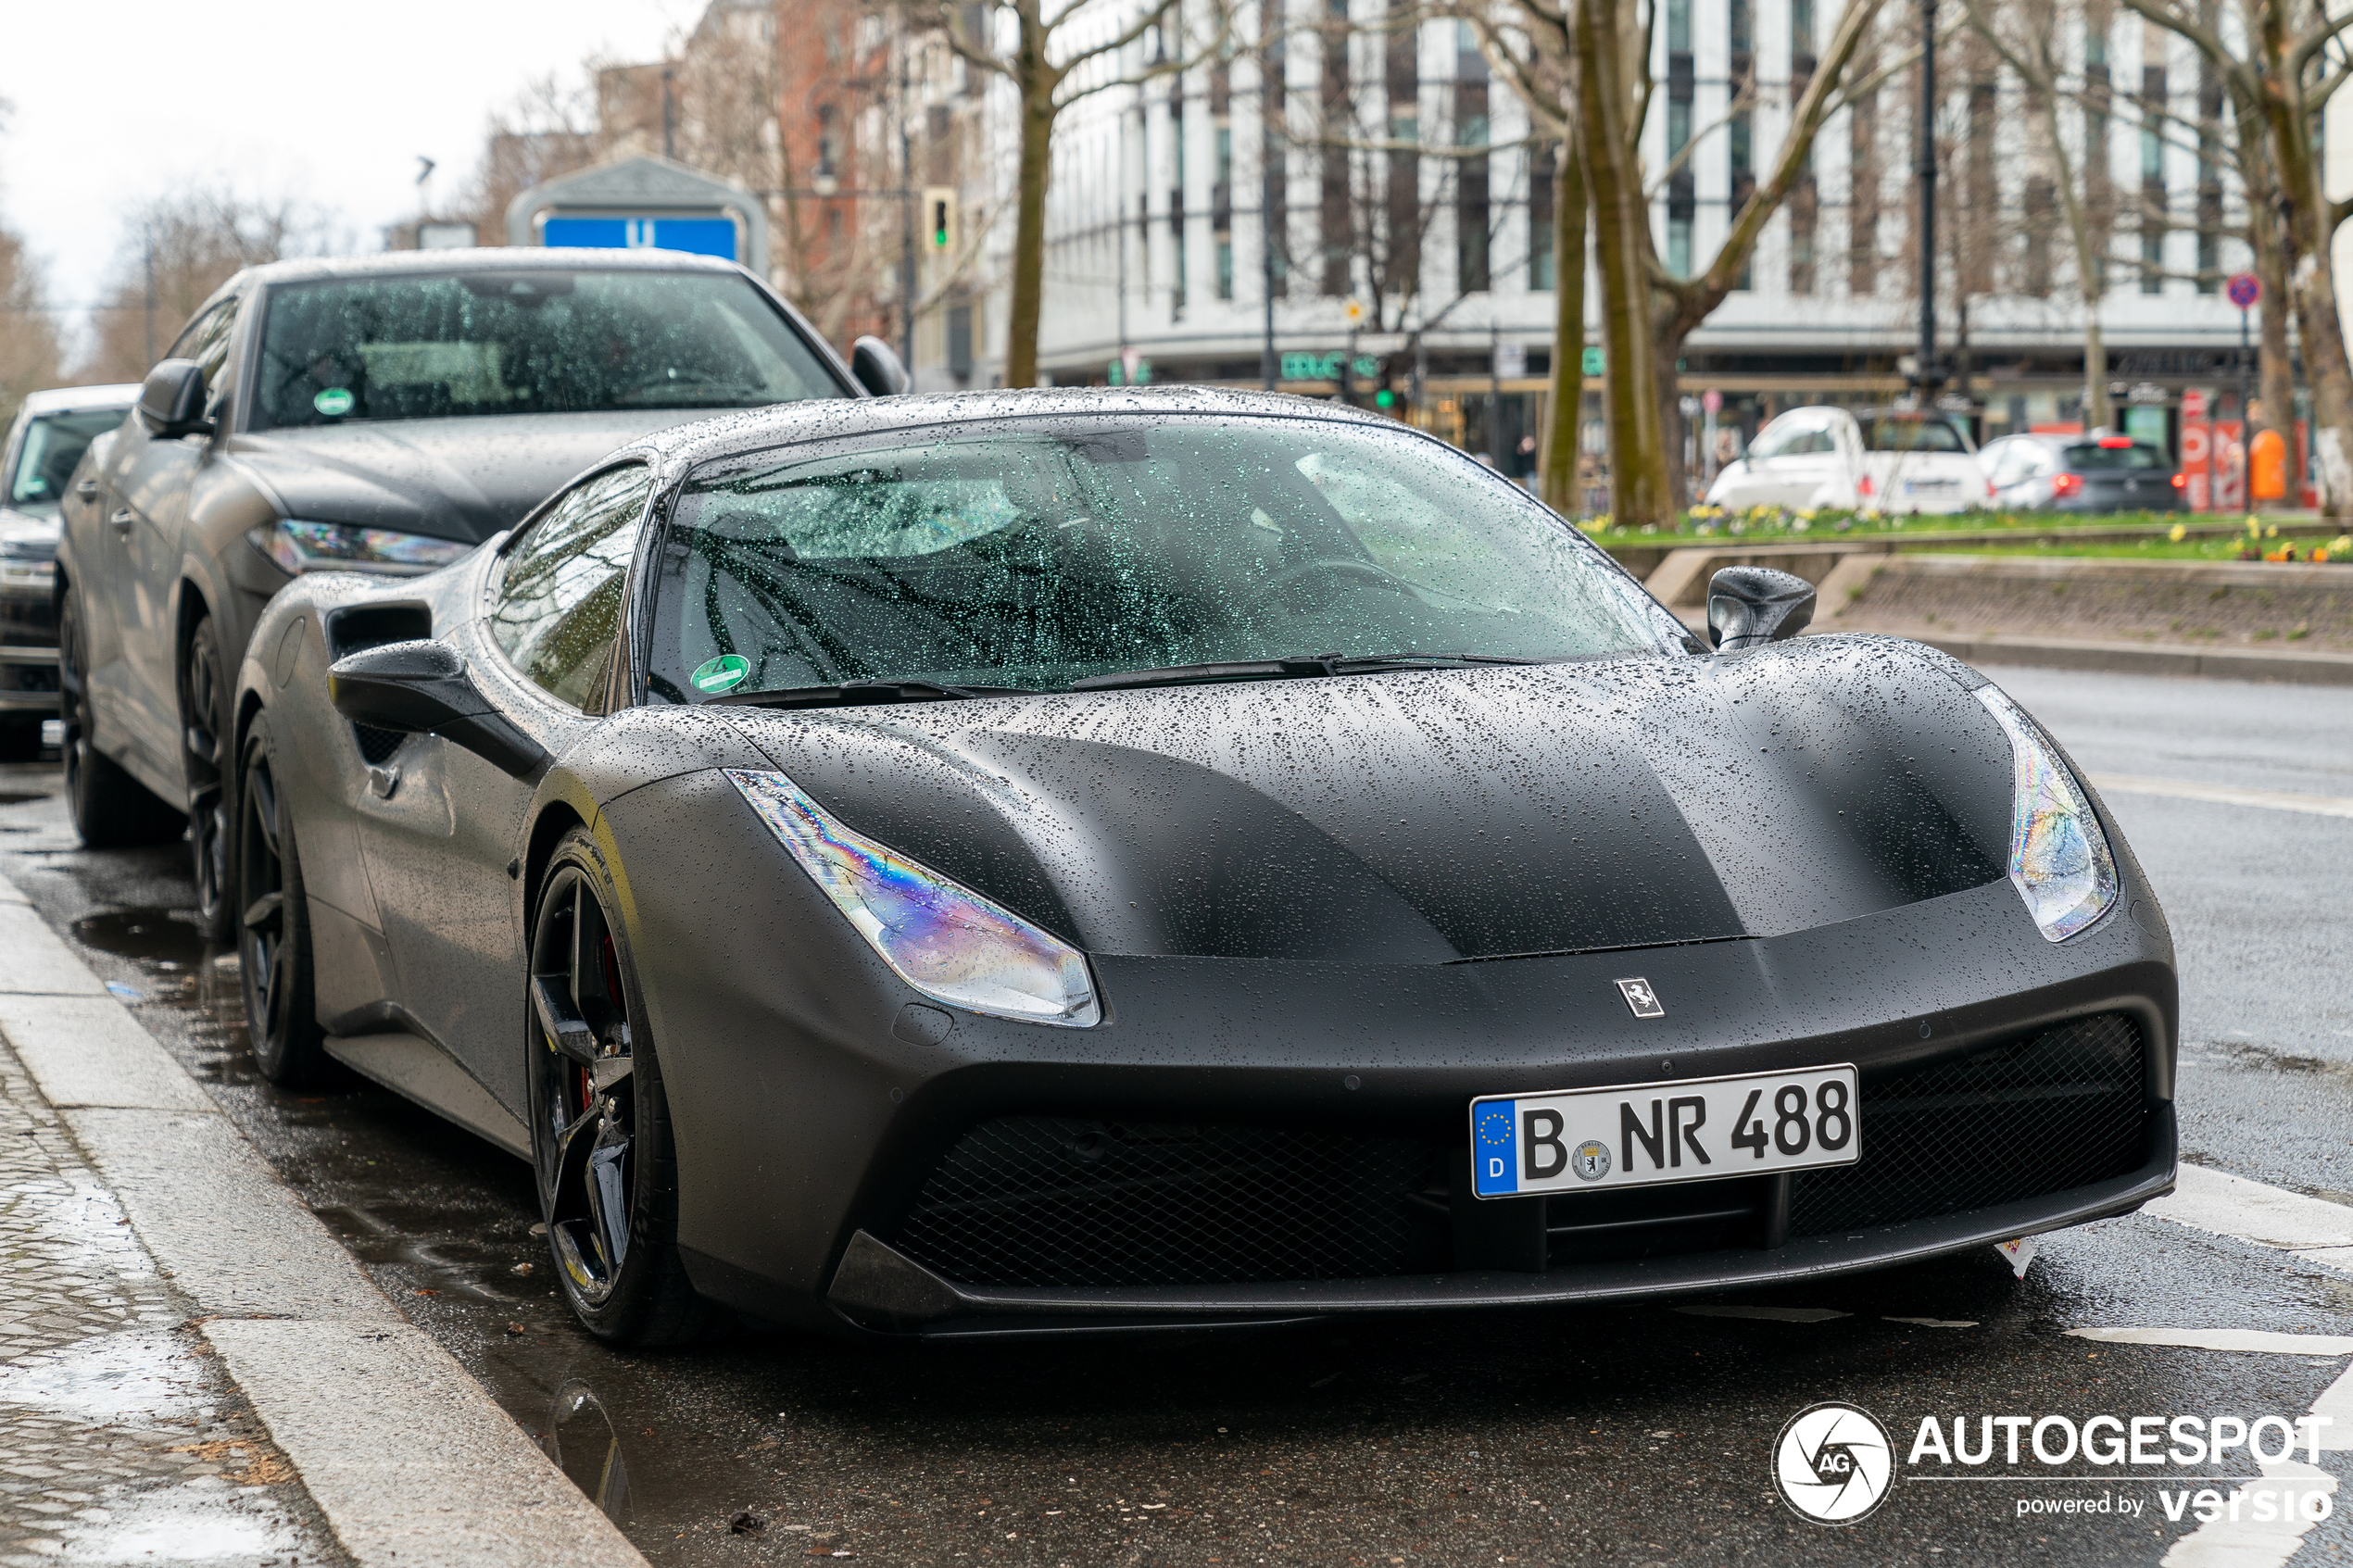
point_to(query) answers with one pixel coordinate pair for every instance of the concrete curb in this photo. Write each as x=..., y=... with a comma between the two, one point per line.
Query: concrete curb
x=409, y=1460
x=1851, y=576
x=2142, y=658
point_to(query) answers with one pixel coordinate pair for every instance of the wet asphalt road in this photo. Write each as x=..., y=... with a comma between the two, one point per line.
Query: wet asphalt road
x=1634, y=1435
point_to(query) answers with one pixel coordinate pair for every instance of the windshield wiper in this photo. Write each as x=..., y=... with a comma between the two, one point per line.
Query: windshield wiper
x=862, y=694
x=1285, y=669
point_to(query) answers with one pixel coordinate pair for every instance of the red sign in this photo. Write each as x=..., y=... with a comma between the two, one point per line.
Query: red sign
x=2193, y=405
x=2244, y=289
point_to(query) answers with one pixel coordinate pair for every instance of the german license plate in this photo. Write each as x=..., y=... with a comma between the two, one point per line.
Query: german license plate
x=1643, y=1134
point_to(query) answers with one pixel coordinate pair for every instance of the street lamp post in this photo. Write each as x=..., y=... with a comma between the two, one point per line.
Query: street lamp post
x=1930, y=373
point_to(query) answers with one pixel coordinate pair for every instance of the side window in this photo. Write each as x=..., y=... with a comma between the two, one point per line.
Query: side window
x=206, y=342
x=559, y=605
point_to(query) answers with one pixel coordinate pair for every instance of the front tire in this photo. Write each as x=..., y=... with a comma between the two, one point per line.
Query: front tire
x=600, y=1135
x=274, y=926
x=204, y=704
x=111, y=810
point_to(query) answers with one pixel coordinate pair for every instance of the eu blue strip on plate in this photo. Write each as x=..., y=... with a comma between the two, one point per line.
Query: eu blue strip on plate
x=1496, y=1158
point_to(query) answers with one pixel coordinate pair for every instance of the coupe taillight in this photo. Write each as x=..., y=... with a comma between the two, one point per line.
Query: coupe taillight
x=2066, y=484
x=2181, y=482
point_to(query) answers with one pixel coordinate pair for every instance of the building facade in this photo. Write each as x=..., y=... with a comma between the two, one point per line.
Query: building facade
x=1353, y=199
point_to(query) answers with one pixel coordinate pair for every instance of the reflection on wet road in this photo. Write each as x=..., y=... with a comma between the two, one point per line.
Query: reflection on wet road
x=1629, y=1435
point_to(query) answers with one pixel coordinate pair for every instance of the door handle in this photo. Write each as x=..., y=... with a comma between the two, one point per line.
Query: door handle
x=122, y=519
x=87, y=489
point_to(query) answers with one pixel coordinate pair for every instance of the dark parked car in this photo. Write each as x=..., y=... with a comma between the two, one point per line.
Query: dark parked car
x=1035, y=860
x=2081, y=473
x=381, y=415
x=51, y=431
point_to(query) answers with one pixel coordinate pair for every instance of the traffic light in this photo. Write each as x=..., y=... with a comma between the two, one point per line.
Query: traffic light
x=940, y=218
x=1390, y=397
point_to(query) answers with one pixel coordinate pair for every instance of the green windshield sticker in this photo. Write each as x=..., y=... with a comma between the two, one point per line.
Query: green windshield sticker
x=334, y=402
x=722, y=673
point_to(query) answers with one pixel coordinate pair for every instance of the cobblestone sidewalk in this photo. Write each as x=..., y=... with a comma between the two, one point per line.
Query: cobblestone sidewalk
x=121, y=1439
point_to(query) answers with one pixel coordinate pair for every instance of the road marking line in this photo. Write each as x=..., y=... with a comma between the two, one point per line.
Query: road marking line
x=2262, y=1341
x=1770, y=1314
x=2312, y=1228
x=1939, y=1323
x=2224, y=794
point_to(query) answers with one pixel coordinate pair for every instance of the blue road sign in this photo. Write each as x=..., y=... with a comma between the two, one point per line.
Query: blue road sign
x=2245, y=289
x=697, y=236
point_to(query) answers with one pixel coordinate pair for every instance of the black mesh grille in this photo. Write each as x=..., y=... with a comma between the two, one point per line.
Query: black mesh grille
x=377, y=746
x=2057, y=1110
x=1051, y=1201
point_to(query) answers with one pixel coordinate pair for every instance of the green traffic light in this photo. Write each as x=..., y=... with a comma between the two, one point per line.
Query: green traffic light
x=1384, y=398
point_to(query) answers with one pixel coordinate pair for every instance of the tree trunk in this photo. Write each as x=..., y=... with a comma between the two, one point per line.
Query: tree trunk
x=1569, y=222
x=2312, y=287
x=1639, y=496
x=1029, y=236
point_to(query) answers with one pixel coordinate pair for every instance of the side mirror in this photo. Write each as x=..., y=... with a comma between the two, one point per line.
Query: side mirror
x=1750, y=606
x=171, y=401
x=877, y=367
x=422, y=688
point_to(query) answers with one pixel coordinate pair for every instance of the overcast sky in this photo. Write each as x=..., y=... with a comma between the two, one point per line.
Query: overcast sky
x=120, y=102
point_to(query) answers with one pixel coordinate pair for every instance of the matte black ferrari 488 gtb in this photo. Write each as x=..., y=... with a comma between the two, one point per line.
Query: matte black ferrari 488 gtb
x=1020, y=860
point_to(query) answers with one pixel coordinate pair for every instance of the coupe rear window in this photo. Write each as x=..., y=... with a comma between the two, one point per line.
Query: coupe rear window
x=525, y=341
x=1036, y=555
x=2092, y=458
x=1913, y=435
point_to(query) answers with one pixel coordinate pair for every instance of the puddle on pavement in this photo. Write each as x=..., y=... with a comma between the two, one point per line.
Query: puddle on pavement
x=144, y=1377
x=582, y=1441
x=189, y=1526
x=164, y=939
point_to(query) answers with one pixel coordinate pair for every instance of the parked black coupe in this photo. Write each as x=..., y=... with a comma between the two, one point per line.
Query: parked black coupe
x=1027, y=861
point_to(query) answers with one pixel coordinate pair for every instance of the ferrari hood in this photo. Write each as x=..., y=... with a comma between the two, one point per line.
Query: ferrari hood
x=454, y=479
x=1428, y=817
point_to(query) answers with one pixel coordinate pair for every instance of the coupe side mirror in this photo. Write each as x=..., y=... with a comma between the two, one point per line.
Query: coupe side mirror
x=876, y=365
x=172, y=400
x=422, y=688
x=1750, y=606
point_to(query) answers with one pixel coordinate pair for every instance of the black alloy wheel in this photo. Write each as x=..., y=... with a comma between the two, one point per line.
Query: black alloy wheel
x=600, y=1134
x=204, y=701
x=111, y=810
x=274, y=926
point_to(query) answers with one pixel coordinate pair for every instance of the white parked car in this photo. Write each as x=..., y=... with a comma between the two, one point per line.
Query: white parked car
x=1892, y=460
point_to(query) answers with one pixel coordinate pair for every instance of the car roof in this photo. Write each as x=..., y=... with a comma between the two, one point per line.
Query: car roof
x=831, y=419
x=482, y=259
x=71, y=399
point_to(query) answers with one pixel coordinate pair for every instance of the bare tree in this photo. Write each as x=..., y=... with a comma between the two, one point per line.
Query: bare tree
x=2277, y=67
x=1534, y=50
x=1648, y=313
x=2029, y=44
x=173, y=252
x=551, y=128
x=1050, y=69
x=29, y=351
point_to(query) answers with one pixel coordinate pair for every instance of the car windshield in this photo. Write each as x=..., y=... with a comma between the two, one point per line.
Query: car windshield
x=53, y=444
x=1792, y=440
x=2097, y=457
x=526, y=341
x=1044, y=552
x=1899, y=434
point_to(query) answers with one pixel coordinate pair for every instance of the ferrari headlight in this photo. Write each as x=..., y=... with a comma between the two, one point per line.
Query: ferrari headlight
x=2059, y=860
x=945, y=940
x=299, y=547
